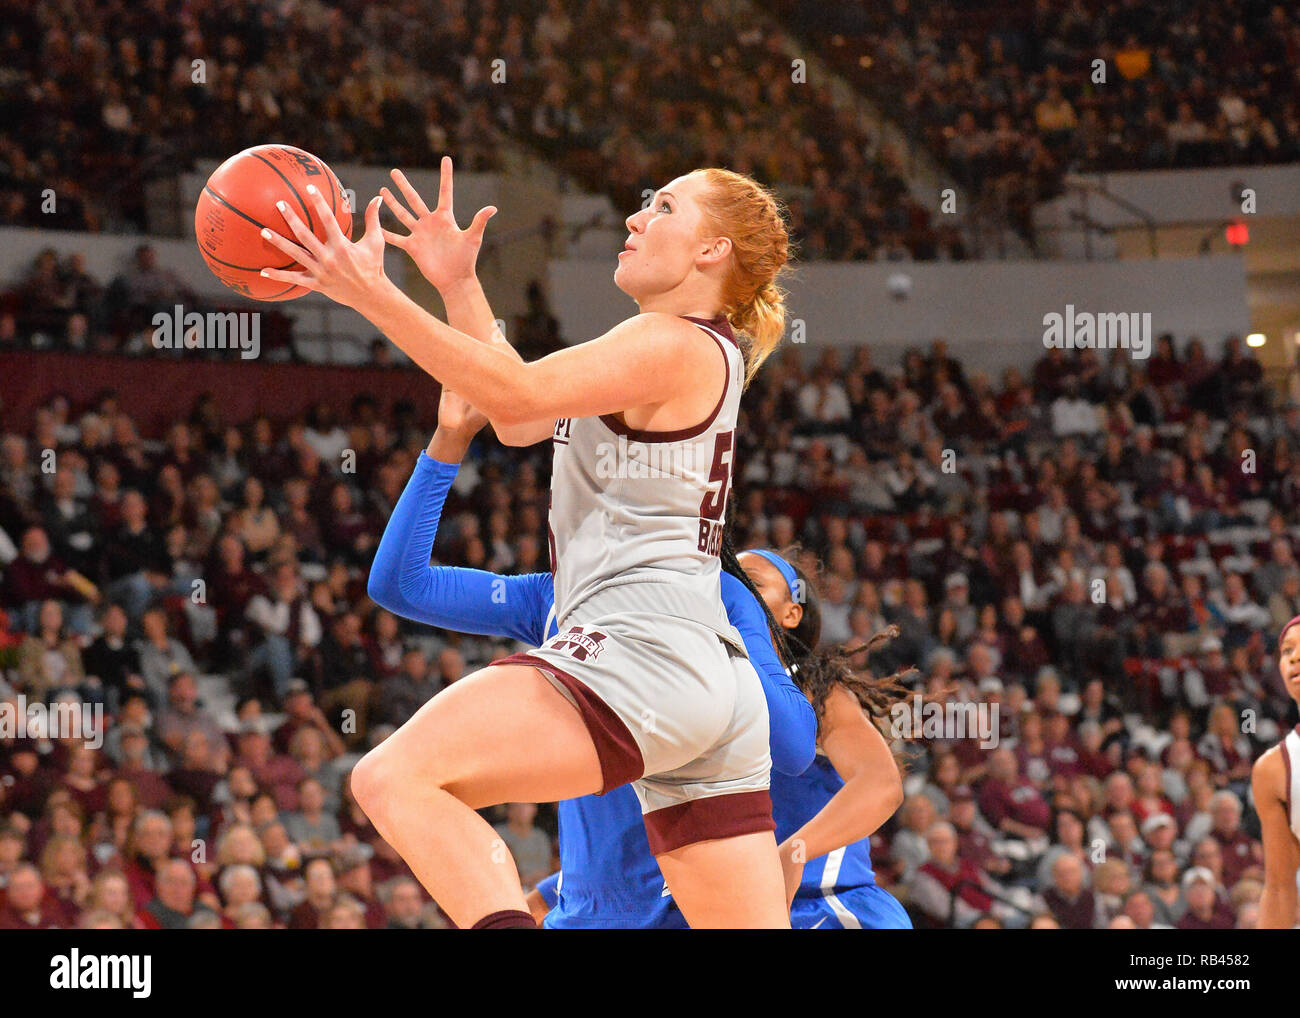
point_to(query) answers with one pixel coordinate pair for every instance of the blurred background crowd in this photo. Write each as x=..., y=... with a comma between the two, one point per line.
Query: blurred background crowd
x=1004, y=97
x=1105, y=548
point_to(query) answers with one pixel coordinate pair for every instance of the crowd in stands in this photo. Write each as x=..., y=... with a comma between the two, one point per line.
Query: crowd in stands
x=1105, y=549
x=1009, y=95
x=56, y=304
x=622, y=96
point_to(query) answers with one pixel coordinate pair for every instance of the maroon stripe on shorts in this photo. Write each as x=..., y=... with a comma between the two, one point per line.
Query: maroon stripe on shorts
x=620, y=757
x=719, y=816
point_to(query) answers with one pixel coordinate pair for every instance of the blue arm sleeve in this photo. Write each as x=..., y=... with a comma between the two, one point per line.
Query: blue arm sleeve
x=547, y=889
x=793, y=720
x=464, y=600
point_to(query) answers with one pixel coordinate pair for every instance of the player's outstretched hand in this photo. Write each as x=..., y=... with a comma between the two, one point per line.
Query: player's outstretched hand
x=443, y=252
x=341, y=270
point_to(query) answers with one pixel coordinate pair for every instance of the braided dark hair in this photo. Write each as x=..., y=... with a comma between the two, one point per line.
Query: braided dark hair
x=814, y=670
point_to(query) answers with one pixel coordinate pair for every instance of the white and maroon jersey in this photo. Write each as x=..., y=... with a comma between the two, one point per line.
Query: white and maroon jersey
x=630, y=506
x=1291, y=758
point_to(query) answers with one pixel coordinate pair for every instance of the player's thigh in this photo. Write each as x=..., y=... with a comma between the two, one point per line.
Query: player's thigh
x=728, y=883
x=503, y=734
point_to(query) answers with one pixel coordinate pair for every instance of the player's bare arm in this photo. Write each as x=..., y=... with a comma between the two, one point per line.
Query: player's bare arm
x=654, y=360
x=873, y=787
x=1277, y=905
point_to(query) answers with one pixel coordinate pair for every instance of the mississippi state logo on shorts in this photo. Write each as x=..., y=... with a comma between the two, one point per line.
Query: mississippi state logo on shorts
x=583, y=644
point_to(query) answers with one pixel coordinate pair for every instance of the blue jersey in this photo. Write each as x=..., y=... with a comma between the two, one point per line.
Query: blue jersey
x=608, y=877
x=795, y=801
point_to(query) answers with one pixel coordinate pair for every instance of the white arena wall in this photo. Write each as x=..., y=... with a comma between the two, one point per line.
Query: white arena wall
x=991, y=313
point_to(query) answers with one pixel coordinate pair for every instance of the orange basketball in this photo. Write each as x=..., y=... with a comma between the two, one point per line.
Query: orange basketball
x=239, y=200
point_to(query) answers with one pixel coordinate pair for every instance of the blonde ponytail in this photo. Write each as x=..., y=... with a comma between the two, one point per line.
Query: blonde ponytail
x=763, y=321
x=752, y=217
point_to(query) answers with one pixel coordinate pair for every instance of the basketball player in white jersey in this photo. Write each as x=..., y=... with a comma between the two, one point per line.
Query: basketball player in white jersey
x=647, y=682
x=1275, y=787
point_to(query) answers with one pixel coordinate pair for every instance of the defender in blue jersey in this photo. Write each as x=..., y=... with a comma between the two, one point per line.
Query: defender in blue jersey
x=826, y=814
x=608, y=876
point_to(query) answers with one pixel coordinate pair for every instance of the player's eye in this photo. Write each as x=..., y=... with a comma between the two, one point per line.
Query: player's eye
x=665, y=205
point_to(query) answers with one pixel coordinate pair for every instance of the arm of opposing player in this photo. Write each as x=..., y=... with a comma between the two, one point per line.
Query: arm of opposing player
x=873, y=787
x=464, y=600
x=791, y=717
x=1277, y=905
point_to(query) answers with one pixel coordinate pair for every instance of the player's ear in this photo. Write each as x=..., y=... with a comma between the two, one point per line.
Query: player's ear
x=793, y=615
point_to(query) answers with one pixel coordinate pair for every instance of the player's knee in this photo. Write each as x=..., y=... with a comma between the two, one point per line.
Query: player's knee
x=380, y=775
x=375, y=778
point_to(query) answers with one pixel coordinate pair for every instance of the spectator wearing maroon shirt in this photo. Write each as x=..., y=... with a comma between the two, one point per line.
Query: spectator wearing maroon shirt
x=947, y=889
x=37, y=575
x=29, y=777
x=81, y=779
x=1010, y=802
x=1070, y=902
x=148, y=847
x=231, y=585
x=1205, y=910
x=199, y=772
x=172, y=905
x=322, y=892
x=1031, y=750
x=27, y=906
x=1150, y=799
x=1226, y=748
x=67, y=882
x=1024, y=650
x=275, y=772
x=1238, y=849
x=139, y=768
x=301, y=712
x=13, y=844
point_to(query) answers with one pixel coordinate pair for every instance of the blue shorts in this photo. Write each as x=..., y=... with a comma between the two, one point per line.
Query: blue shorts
x=859, y=908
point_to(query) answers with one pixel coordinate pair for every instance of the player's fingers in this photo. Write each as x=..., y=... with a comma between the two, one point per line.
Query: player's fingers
x=305, y=279
x=397, y=208
x=372, y=217
x=298, y=253
x=396, y=239
x=332, y=228
x=409, y=192
x=481, y=220
x=299, y=229
x=444, y=184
